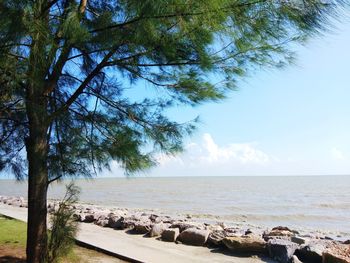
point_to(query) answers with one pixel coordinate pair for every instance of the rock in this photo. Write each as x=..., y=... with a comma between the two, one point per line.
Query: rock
x=100, y=214
x=194, y=237
x=155, y=218
x=212, y=228
x=182, y=226
x=234, y=231
x=281, y=250
x=88, y=218
x=248, y=231
x=338, y=253
x=157, y=229
x=245, y=244
x=279, y=232
x=114, y=221
x=170, y=234
x=312, y=251
x=347, y=242
x=142, y=227
x=295, y=259
x=121, y=222
x=102, y=222
x=215, y=238
x=298, y=240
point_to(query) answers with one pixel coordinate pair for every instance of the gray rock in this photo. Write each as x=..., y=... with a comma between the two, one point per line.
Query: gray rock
x=102, y=222
x=312, y=251
x=157, y=229
x=281, y=250
x=155, y=218
x=142, y=227
x=170, y=234
x=88, y=218
x=194, y=237
x=298, y=240
x=114, y=221
x=245, y=244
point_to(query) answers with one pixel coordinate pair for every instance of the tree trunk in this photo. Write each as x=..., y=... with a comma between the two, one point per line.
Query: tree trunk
x=36, y=146
x=37, y=143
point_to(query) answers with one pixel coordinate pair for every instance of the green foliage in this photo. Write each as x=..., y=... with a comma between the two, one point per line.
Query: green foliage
x=77, y=65
x=64, y=227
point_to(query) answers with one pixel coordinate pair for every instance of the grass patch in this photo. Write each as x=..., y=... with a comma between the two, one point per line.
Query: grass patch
x=13, y=236
x=12, y=232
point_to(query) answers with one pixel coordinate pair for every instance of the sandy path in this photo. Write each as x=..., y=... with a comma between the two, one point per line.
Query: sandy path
x=140, y=248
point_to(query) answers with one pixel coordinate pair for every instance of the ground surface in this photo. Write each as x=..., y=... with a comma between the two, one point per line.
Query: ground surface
x=142, y=249
x=13, y=239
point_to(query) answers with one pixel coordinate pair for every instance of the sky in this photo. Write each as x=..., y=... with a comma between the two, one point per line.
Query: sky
x=294, y=121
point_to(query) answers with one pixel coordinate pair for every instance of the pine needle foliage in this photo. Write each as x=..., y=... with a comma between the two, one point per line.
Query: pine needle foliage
x=64, y=227
x=82, y=58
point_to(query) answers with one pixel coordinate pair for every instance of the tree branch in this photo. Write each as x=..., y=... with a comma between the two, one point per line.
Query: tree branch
x=83, y=85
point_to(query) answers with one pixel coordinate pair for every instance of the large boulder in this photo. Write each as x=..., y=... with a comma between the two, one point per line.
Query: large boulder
x=157, y=229
x=114, y=221
x=170, y=234
x=281, y=250
x=215, y=238
x=279, y=231
x=194, y=236
x=337, y=254
x=87, y=218
x=312, y=251
x=142, y=227
x=298, y=240
x=245, y=244
x=182, y=226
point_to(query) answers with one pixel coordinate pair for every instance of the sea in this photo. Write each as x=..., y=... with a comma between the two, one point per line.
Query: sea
x=312, y=203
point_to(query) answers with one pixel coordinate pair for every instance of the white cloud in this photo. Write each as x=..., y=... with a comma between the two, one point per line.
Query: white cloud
x=209, y=153
x=243, y=153
x=337, y=154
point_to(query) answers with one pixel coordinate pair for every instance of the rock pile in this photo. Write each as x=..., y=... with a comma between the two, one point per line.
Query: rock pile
x=280, y=243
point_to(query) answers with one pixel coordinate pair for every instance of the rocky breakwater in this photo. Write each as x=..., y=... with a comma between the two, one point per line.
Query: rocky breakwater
x=279, y=243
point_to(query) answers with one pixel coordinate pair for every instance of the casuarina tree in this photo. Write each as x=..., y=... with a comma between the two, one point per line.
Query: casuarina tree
x=73, y=72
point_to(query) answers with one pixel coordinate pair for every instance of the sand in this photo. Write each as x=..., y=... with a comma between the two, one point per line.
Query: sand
x=139, y=248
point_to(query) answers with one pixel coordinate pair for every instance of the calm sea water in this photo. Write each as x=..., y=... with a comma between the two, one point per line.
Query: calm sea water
x=304, y=202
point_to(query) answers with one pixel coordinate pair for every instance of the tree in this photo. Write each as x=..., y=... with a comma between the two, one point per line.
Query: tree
x=67, y=67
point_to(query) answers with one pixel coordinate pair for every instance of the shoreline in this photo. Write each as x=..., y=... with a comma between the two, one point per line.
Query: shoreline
x=301, y=203
x=252, y=240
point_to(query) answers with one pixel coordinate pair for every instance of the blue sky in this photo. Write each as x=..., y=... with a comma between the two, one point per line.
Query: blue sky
x=294, y=121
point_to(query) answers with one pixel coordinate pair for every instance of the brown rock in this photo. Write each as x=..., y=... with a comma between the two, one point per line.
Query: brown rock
x=215, y=238
x=278, y=232
x=157, y=229
x=170, y=234
x=182, y=226
x=194, y=237
x=337, y=254
x=245, y=244
x=142, y=227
